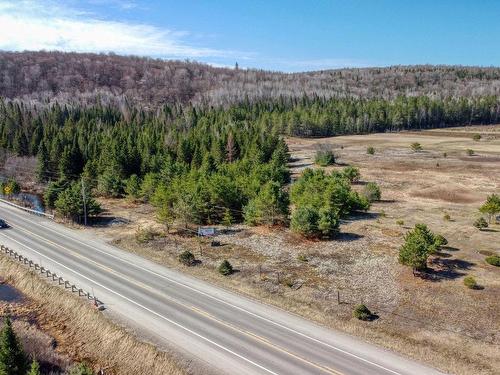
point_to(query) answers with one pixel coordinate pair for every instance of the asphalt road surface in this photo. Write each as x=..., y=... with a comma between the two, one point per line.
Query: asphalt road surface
x=224, y=331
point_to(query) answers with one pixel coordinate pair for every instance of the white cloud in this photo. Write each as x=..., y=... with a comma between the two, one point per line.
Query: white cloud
x=31, y=25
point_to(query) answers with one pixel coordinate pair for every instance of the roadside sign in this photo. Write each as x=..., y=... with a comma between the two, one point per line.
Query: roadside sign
x=205, y=232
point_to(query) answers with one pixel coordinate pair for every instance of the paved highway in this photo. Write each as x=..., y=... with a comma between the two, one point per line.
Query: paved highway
x=226, y=332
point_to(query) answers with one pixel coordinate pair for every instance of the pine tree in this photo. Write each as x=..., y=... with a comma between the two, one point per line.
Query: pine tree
x=12, y=358
x=227, y=219
x=35, y=368
x=42, y=167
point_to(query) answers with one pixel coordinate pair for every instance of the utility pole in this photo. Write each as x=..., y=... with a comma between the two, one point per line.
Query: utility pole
x=84, y=204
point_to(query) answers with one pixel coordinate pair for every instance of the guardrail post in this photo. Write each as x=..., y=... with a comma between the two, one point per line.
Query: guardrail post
x=48, y=273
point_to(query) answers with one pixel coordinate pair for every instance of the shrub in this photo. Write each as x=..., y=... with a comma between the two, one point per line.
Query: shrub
x=324, y=158
x=312, y=222
x=370, y=150
x=34, y=368
x=494, y=260
x=400, y=222
x=133, y=187
x=372, y=192
x=351, y=173
x=446, y=217
x=302, y=258
x=144, y=235
x=476, y=137
x=81, y=369
x=445, y=154
x=440, y=241
x=187, y=258
x=470, y=282
x=469, y=152
x=416, y=147
x=362, y=312
x=481, y=223
x=225, y=268
x=305, y=221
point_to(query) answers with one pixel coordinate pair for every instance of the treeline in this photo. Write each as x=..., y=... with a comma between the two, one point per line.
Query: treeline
x=89, y=79
x=194, y=166
x=342, y=116
x=104, y=140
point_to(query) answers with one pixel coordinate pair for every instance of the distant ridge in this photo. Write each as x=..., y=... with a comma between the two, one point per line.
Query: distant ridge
x=84, y=78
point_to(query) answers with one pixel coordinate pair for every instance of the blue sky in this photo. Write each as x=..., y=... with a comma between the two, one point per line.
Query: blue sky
x=279, y=35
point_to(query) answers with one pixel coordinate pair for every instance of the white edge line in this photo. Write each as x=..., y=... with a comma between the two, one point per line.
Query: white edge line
x=144, y=307
x=220, y=300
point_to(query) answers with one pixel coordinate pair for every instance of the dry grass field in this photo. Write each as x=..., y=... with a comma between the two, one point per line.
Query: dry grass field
x=433, y=318
x=60, y=329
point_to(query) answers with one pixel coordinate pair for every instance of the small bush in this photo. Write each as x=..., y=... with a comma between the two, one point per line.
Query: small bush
x=187, y=258
x=362, y=312
x=144, y=235
x=445, y=154
x=225, y=268
x=476, y=137
x=481, y=223
x=446, y=217
x=416, y=147
x=324, y=158
x=81, y=369
x=469, y=152
x=370, y=150
x=400, y=222
x=302, y=258
x=372, y=192
x=494, y=260
x=351, y=173
x=439, y=241
x=470, y=282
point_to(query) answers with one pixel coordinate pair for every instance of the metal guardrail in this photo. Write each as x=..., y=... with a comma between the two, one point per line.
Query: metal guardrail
x=35, y=212
x=48, y=274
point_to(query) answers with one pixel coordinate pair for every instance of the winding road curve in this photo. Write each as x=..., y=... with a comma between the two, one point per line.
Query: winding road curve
x=221, y=329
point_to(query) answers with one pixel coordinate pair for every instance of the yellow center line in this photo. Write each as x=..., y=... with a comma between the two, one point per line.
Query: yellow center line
x=186, y=306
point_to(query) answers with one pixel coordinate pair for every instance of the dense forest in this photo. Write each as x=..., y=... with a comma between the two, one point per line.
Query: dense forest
x=205, y=144
x=41, y=77
x=195, y=166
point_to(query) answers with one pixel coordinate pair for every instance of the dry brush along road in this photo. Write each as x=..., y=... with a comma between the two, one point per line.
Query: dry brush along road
x=224, y=331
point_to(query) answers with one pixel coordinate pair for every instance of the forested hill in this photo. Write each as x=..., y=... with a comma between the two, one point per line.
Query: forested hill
x=41, y=77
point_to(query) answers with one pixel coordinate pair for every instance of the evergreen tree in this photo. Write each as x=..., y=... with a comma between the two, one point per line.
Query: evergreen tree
x=491, y=207
x=12, y=358
x=35, y=368
x=270, y=206
x=227, y=219
x=419, y=244
x=43, y=164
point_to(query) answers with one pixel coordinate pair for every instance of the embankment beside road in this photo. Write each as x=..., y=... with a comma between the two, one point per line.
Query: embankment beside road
x=84, y=333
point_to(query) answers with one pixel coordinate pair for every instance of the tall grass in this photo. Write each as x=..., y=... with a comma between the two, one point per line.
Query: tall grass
x=97, y=338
